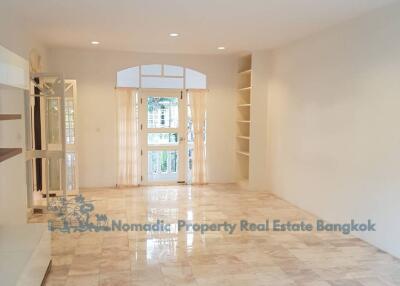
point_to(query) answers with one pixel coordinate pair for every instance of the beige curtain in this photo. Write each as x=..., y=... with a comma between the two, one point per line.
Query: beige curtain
x=197, y=101
x=128, y=137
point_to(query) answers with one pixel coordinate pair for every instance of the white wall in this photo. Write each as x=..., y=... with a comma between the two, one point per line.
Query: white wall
x=95, y=72
x=333, y=119
x=14, y=36
x=261, y=66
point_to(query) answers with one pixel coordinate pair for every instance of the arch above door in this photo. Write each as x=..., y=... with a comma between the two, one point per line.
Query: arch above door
x=161, y=76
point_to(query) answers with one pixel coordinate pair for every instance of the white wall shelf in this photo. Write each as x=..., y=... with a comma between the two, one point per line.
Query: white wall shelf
x=245, y=72
x=250, y=168
x=244, y=137
x=245, y=88
x=10, y=117
x=243, y=153
x=7, y=153
x=243, y=120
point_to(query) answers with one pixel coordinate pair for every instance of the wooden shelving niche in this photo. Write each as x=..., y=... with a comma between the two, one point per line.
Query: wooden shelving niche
x=9, y=117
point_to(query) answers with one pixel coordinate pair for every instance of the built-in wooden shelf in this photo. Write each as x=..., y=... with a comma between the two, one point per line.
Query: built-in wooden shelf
x=243, y=153
x=10, y=116
x=245, y=71
x=7, y=153
x=244, y=137
x=243, y=127
x=245, y=88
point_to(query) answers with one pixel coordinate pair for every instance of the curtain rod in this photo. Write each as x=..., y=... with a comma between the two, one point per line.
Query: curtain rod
x=197, y=89
x=133, y=88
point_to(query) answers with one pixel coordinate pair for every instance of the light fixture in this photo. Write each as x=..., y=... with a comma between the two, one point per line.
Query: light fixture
x=221, y=48
x=173, y=34
x=95, y=43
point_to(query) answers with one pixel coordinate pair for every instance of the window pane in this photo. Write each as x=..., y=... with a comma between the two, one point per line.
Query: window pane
x=69, y=121
x=153, y=161
x=195, y=79
x=162, y=112
x=162, y=138
x=151, y=70
x=128, y=77
x=162, y=82
x=173, y=70
x=163, y=165
x=174, y=161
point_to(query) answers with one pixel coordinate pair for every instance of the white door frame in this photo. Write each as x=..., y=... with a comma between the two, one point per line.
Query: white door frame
x=71, y=94
x=181, y=130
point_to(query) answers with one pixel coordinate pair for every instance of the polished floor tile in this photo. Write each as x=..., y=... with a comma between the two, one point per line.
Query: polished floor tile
x=213, y=258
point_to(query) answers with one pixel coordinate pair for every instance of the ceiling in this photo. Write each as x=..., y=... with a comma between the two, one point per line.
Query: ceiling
x=203, y=25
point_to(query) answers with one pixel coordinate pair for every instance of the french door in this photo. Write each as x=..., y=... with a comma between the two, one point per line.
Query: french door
x=163, y=133
x=51, y=155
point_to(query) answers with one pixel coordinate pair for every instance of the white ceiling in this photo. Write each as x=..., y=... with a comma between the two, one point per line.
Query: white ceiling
x=144, y=25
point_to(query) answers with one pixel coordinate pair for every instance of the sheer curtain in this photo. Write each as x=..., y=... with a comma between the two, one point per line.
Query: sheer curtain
x=197, y=102
x=128, y=137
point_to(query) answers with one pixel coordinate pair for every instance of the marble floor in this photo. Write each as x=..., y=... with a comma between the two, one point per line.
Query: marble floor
x=213, y=258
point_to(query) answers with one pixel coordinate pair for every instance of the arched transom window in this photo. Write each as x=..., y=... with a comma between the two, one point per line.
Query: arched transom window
x=161, y=76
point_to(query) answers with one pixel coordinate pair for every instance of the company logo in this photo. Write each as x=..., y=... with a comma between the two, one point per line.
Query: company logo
x=76, y=215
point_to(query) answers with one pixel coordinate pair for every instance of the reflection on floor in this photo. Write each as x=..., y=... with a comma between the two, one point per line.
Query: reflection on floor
x=217, y=258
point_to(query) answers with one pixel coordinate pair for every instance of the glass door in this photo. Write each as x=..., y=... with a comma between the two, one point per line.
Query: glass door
x=45, y=139
x=163, y=133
